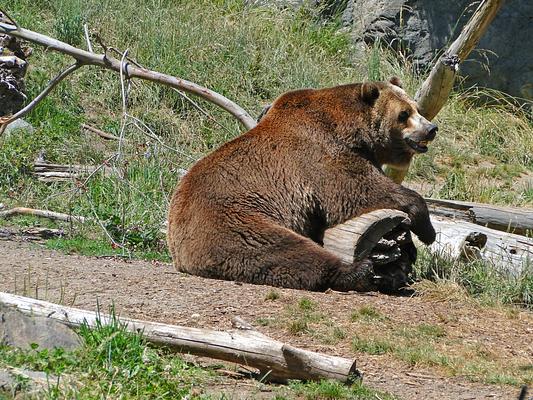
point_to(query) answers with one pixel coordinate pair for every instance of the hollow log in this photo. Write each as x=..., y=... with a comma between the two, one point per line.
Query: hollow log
x=366, y=236
x=356, y=238
x=276, y=361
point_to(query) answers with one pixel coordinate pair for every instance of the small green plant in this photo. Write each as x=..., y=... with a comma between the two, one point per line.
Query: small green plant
x=430, y=330
x=298, y=326
x=306, y=304
x=328, y=389
x=372, y=346
x=367, y=313
x=272, y=295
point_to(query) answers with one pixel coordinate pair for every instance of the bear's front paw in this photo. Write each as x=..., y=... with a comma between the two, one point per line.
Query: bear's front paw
x=427, y=235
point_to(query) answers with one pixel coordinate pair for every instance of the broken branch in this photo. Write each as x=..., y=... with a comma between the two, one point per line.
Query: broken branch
x=84, y=57
x=52, y=84
x=41, y=213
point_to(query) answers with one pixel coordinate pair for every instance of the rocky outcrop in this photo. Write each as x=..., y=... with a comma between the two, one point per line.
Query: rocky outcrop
x=421, y=29
x=503, y=60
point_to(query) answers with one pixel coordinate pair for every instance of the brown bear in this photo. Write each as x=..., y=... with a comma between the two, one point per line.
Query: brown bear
x=256, y=209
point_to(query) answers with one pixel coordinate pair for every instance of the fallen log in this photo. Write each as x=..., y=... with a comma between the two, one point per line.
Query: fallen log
x=276, y=361
x=508, y=252
x=507, y=219
x=367, y=236
x=356, y=238
x=383, y=237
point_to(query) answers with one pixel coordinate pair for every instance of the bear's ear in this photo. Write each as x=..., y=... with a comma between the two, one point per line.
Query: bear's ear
x=396, y=81
x=369, y=92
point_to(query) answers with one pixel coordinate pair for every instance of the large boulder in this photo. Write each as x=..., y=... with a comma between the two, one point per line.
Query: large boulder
x=503, y=59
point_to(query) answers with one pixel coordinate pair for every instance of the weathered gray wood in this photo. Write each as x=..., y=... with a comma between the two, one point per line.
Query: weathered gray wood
x=508, y=252
x=48, y=172
x=355, y=238
x=435, y=90
x=506, y=219
x=275, y=360
x=41, y=213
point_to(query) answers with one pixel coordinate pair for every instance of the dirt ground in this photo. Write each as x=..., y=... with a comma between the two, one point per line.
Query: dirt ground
x=154, y=291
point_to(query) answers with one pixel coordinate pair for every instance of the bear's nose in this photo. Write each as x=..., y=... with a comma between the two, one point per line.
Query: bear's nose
x=432, y=131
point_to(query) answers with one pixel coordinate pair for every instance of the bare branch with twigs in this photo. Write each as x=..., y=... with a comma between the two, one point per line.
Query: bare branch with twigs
x=130, y=69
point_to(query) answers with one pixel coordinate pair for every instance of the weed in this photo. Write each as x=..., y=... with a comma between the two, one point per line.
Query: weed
x=306, y=304
x=372, y=346
x=335, y=390
x=477, y=278
x=367, y=313
x=298, y=326
x=272, y=295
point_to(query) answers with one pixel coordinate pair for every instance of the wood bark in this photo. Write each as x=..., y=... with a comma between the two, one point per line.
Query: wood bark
x=275, y=360
x=507, y=219
x=48, y=172
x=435, y=90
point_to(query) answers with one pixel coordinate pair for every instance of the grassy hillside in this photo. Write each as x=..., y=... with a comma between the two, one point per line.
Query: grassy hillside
x=250, y=55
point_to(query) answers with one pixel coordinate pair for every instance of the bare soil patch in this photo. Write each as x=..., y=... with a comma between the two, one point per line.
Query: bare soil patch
x=154, y=291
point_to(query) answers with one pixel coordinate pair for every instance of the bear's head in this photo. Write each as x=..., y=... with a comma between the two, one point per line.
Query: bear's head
x=398, y=131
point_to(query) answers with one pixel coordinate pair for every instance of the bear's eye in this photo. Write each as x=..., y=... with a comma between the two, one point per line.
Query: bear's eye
x=403, y=117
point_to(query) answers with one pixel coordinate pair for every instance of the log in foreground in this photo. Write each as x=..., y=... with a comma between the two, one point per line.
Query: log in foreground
x=276, y=361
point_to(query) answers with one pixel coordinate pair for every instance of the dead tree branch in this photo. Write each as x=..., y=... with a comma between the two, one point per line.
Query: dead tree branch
x=102, y=134
x=436, y=89
x=275, y=360
x=84, y=57
x=41, y=213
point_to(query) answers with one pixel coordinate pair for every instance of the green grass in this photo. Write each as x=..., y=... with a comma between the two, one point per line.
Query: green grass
x=367, y=313
x=421, y=346
x=251, y=55
x=481, y=280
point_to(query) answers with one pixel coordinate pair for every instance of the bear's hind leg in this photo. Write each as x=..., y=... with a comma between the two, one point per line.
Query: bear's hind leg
x=273, y=255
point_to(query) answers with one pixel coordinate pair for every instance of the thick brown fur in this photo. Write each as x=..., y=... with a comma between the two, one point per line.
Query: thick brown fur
x=256, y=209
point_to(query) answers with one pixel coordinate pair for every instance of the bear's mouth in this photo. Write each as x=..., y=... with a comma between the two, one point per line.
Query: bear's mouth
x=419, y=147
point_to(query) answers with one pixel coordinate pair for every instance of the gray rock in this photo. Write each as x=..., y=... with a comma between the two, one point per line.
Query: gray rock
x=19, y=126
x=19, y=330
x=503, y=59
